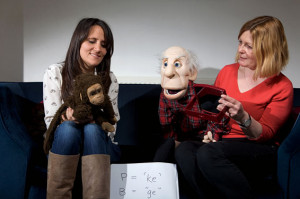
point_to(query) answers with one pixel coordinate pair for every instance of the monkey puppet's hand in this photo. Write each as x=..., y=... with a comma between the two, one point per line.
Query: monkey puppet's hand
x=108, y=127
x=114, y=120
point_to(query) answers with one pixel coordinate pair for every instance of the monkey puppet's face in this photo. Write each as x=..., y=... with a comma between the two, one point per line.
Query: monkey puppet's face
x=176, y=73
x=95, y=94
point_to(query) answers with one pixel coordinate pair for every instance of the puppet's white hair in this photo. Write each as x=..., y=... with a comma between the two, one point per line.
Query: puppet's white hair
x=192, y=59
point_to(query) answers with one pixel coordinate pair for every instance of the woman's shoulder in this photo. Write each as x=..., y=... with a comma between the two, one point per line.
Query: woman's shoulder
x=228, y=70
x=113, y=77
x=281, y=81
x=280, y=85
x=54, y=68
x=53, y=72
x=284, y=82
x=285, y=79
x=230, y=67
x=114, y=86
x=114, y=81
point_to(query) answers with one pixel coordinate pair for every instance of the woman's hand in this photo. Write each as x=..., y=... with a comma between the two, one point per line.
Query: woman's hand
x=235, y=108
x=237, y=112
x=69, y=115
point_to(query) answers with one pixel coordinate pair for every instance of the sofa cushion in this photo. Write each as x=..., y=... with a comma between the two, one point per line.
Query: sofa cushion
x=138, y=131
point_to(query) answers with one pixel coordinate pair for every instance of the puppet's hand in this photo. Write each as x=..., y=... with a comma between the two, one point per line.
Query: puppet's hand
x=115, y=120
x=112, y=120
x=177, y=143
x=208, y=138
x=108, y=127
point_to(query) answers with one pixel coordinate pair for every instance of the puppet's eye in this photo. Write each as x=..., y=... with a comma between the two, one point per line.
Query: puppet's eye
x=177, y=64
x=165, y=63
x=93, y=93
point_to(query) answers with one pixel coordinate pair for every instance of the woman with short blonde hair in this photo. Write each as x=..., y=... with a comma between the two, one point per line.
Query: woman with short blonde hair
x=269, y=45
x=259, y=101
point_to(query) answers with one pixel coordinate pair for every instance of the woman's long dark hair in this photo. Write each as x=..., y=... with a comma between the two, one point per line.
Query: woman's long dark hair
x=73, y=60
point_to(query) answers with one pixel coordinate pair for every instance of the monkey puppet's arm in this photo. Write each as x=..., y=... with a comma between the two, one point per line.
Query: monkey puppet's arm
x=106, y=124
x=109, y=111
x=106, y=117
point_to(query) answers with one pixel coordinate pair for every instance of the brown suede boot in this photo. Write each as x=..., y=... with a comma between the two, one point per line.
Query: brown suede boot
x=61, y=175
x=96, y=176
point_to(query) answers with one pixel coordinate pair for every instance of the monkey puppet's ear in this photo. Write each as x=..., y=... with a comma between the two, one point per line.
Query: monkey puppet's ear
x=80, y=96
x=193, y=75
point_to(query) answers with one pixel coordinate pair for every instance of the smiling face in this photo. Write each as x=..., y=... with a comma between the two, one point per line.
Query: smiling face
x=176, y=73
x=245, y=51
x=93, y=49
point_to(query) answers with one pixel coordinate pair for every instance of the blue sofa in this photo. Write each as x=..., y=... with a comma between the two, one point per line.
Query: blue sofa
x=288, y=163
x=23, y=164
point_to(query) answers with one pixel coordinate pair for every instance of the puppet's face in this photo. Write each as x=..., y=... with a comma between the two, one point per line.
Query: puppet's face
x=95, y=94
x=176, y=73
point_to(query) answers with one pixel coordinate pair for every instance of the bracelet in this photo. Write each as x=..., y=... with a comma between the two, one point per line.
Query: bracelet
x=246, y=123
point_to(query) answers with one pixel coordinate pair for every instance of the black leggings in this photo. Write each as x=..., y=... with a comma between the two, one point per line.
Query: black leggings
x=224, y=169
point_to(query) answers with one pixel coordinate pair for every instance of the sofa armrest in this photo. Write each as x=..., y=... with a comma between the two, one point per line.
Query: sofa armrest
x=288, y=169
x=15, y=145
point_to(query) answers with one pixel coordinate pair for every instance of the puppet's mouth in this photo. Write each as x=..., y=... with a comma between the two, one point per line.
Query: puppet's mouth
x=172, y=92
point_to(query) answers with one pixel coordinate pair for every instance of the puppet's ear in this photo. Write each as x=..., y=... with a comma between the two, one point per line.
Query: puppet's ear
x=193, y=75
x=80, y=96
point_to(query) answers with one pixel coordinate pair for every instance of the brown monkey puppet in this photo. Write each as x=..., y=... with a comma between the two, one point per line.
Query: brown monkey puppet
x=89, y=99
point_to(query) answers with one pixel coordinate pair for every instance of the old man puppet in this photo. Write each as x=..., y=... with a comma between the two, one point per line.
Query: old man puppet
x=179, y=69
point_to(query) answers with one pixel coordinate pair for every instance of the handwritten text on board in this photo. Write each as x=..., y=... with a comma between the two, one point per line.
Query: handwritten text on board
x=144, y=181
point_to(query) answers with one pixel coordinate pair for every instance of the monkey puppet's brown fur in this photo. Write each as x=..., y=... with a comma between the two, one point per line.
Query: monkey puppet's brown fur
x=89, y=99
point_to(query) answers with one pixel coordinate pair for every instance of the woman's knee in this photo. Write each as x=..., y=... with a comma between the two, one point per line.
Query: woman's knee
x=208, y=154
x=67, y=138
x=185, y=153
x=94, y=132
x=95, y=140
x=68, y=130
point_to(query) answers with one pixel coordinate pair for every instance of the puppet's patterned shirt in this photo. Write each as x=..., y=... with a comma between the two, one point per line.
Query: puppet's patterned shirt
x=175, y=123
x=52, y=83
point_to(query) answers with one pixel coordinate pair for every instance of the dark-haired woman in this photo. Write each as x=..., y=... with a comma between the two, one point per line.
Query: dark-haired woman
x=90, y=51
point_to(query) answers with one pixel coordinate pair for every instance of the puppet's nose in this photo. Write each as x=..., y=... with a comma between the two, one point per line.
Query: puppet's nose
x=170, y=72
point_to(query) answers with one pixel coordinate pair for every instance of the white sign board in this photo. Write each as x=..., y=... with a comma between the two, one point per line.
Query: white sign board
x=144, y=181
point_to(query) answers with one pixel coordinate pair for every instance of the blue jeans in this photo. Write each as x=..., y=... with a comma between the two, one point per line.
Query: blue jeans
x=71, y=139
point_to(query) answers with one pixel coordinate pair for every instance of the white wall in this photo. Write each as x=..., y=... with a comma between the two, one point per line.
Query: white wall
x=143, y=29
x=11, y=40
